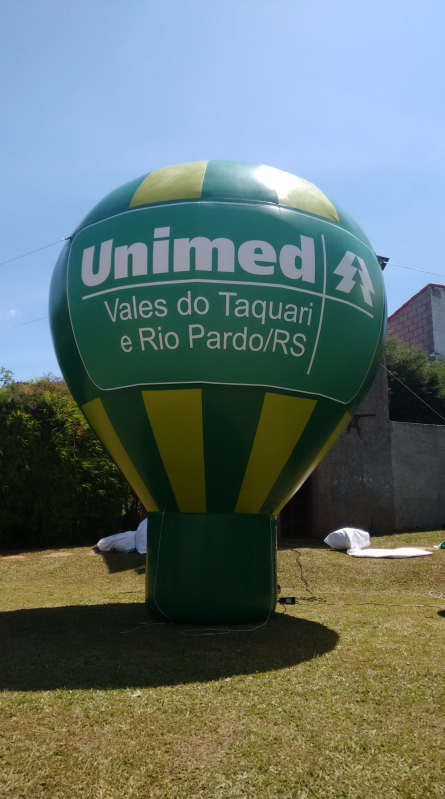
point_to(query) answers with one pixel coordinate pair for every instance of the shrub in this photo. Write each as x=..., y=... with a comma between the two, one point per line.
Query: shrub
x=58, y=486
x=423, y=375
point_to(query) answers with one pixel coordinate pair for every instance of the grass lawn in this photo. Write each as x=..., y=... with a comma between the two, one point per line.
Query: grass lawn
x=343, y=698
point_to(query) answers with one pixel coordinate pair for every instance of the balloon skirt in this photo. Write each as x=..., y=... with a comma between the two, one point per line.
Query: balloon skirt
x=211, y=568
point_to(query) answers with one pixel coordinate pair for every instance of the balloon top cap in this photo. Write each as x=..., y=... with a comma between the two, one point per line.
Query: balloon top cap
x=233, y=181
x=225, y=181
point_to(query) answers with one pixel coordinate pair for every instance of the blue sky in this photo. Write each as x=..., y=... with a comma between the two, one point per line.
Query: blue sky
x=347, y=94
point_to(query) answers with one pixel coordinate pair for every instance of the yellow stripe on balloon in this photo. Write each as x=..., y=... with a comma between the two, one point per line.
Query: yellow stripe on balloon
x=344, y=421
x=176, y=419
x=281, y=424
x=99, y=421
x=177, y=182
x=296, y=192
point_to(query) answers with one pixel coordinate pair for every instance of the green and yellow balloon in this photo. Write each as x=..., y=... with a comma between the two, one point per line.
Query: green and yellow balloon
x=218, y=323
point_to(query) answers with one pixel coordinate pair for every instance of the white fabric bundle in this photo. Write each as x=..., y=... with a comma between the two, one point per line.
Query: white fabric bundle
x=120, y=542
x=348, y=538
x=141, y=537
x=126, y=542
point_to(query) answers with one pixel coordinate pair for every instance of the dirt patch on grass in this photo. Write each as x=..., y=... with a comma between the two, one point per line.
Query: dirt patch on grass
x=12, y=557
x=58, y=555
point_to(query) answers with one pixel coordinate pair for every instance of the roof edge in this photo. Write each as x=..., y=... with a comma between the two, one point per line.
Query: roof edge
x=429, y=285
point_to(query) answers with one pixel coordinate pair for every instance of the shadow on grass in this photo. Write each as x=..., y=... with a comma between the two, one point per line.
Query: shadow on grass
x=105, y=646
x=122, y=562
x=441, y=613
x=301, y=543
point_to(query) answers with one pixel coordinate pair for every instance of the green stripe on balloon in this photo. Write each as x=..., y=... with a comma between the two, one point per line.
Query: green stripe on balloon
x=128, y=416
x=101, y=424
x=229, y=180
x=327, y=446
x=282, y=422
x=323, y=422
x=230, y=421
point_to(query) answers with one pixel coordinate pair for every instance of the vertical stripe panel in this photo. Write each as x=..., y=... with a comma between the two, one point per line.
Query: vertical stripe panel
x=99, y=421
x=176, y=419
x=177, y=182
x=324, y=450
x=281, y=424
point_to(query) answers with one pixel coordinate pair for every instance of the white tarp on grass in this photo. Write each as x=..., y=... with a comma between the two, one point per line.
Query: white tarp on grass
x=401, y=552
x=356, y=542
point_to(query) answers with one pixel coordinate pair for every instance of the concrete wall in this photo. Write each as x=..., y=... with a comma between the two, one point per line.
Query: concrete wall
x=388, y=476
x=438, y=318
x=382, y=476
x=418, y=469
x=353, y=485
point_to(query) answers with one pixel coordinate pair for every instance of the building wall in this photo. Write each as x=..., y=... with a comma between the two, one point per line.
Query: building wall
x=353, y=485
x=438, y=319
x=387, y=476
x=413, y=322
x=382, y=476
x=418, y=469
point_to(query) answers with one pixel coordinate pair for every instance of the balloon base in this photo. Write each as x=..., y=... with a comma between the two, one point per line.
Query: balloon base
x=211, y=568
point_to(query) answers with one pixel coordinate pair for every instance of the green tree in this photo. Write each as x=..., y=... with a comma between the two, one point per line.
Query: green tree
x=425, y=376
x=58, y=486
x=6, y=376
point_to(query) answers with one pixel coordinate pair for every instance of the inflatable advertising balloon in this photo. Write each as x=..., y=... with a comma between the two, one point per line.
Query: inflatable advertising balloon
x=218, y=323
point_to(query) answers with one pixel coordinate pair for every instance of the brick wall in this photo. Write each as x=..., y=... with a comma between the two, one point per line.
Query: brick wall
x=413, y=321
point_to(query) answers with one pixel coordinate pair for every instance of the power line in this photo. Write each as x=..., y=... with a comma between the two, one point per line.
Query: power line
x=413, y=392
x=40, y=318
x=65, y=238
x=413, y=269
x=24, y=323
